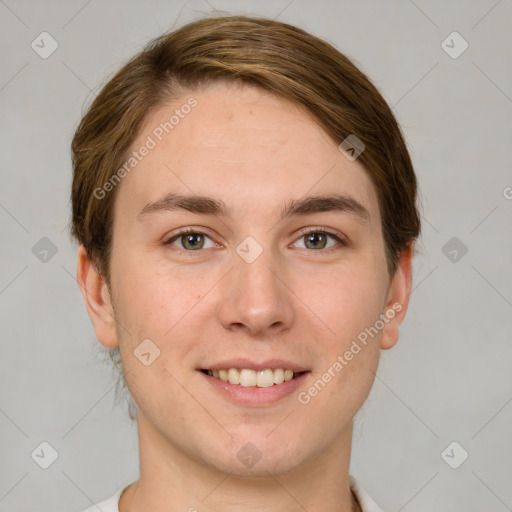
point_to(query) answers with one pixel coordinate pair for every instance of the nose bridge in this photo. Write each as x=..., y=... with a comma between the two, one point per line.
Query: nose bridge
x=255, y=296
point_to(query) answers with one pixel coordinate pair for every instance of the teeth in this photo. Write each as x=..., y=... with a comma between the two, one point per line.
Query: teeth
x=247, y=378
x=278, y=376
x=251, y=378
x=265, y=378
x=233, y=376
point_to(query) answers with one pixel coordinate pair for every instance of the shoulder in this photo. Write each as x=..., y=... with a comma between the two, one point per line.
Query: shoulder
x=366, y=502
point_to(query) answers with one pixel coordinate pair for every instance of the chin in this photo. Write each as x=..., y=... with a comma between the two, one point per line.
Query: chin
x=255, y=458
x=261, y=469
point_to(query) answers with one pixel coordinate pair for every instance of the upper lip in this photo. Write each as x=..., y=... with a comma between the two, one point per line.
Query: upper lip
x=256, y=366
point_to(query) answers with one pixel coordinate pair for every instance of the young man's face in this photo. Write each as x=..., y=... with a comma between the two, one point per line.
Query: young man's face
x=247, y=288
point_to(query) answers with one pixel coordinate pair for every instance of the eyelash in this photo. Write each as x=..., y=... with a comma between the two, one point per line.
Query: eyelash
x=334, y=234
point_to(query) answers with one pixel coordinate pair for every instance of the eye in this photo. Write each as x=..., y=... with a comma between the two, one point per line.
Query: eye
x=318, y=238
x=191, y=240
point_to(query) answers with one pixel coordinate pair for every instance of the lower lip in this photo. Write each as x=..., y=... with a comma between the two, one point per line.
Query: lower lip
x=255, y=396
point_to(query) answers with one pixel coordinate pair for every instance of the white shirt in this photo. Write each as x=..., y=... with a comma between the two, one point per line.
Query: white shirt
x=367, y=504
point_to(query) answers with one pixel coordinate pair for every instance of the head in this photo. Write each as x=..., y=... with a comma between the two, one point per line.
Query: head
x=294, y=247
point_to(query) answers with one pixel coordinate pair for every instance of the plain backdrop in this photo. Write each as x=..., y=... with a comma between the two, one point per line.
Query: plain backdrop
x=449, y=378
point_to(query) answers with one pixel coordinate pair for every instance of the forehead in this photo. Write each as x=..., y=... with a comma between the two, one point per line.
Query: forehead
x=242, y=145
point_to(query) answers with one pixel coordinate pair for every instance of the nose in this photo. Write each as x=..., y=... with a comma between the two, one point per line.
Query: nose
x=255, y=298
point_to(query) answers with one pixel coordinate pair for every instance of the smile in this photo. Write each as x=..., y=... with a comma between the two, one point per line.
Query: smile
x=252, y=378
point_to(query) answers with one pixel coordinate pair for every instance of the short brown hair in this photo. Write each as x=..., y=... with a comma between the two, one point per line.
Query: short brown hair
x=265, y=53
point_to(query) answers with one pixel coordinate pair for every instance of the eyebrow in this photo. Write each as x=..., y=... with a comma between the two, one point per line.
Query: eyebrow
x=209, y=206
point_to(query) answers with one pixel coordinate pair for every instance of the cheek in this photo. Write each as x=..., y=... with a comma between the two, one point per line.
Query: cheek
x=350, y=356
x=349, y=302
x=153, y=301
x=350, y=305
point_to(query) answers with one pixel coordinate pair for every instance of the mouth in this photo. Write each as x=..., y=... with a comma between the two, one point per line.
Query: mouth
x=248, y=378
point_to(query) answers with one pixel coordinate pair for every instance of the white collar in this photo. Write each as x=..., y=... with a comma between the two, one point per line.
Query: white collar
x=366, y=502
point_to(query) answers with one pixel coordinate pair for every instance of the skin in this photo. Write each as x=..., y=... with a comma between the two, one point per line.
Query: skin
x=256, y=152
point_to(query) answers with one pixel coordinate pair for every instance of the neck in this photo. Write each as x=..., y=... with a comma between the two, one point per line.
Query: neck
x=171, y=481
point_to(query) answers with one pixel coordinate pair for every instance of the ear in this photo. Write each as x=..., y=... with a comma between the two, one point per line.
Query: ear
x=97, y=300
x=398, y=299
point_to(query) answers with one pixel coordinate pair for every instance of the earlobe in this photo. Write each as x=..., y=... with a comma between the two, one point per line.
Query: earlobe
x=97, y=300
x=398, y=299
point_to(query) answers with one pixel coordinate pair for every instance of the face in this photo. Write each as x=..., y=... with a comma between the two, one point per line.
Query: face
x=282, y=268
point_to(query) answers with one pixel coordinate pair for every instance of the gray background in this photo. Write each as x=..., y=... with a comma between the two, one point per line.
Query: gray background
x=448, y=379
